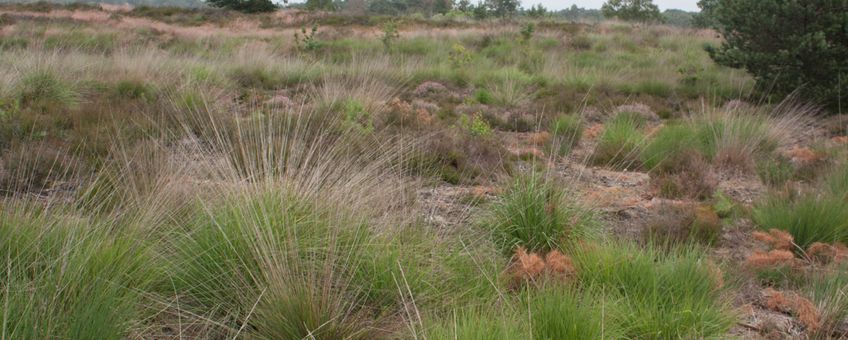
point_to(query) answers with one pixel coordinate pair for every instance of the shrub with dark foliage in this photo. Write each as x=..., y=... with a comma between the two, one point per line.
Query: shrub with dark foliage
x=246, y=6
x=788, y=46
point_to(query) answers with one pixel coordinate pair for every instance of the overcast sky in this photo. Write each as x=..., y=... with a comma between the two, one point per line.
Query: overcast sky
x=687, y=5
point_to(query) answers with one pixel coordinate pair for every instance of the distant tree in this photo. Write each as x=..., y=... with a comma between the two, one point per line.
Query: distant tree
x=503, y=8
x=788, y=46
x=575, y=13
x=388, y=7
x=678, y=17
x=706, y=18
x=632, y=10
x=246, y=6
x=355, y=7
x=464, y=6
x=480, y=11
x=537, y=11
x=442, y=6
x=324, y=5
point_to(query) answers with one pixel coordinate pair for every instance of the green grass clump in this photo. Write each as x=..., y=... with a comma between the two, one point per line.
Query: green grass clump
x=256, y=78
x=828, y=289
x=566, y=131
x=67, y=276
x=809, y=217
x=536, y=214
x=775, y=171
x=483, y=96
x=620, y=144
x=478, y=324
x=133, y=89
x=563, y=312
x=656, y=293
x=673, y=143
x=288, y=267
x=43, y=90
x=836, y=182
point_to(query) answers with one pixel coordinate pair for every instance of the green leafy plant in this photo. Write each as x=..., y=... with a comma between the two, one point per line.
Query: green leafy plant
x=390, y=34
x=307, y=41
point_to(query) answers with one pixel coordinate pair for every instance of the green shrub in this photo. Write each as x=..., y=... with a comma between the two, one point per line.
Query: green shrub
x=536, y=214
x=808, y=217
x=566, y=131
x=787, y=46
x=483, y=96
x=248, y=6
x=620, y=144
x=656, y=293
x=775, y=171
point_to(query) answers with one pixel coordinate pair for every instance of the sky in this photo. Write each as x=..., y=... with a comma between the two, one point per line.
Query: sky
x=686, y=5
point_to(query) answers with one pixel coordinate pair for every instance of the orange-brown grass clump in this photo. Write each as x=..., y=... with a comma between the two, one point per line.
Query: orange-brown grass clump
x=826, y=253
x=530, y=266
x=776, y=257
x=776, y=239
x=795, y=304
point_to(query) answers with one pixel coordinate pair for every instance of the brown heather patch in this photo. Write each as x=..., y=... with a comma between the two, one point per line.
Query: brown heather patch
x=539, y=138
x=593, y=131
x=531, y=266
x=794, y=304
x=761, y=259
x=776, y=239
x=825, y=253
x=559, y=264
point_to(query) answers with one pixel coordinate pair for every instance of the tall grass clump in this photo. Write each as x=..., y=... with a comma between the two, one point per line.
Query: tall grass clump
x=478, y=323
x=44, y=91
x=564, y=312
x=829, y=291
x=536, y=214
x=619, y=145
x=566, y=131
x=656, y=293
x=301, y=247
x=66, y=275
x=809, y=217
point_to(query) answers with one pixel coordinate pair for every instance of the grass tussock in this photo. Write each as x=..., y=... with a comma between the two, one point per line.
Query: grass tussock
x=536, y=214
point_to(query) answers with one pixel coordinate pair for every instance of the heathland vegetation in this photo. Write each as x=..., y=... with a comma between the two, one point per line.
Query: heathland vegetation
x=459, y=173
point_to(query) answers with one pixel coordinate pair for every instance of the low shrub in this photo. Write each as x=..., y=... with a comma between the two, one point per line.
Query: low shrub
x=693, y=178
x=775, y=171
x=536, y=214
x=683, y=224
